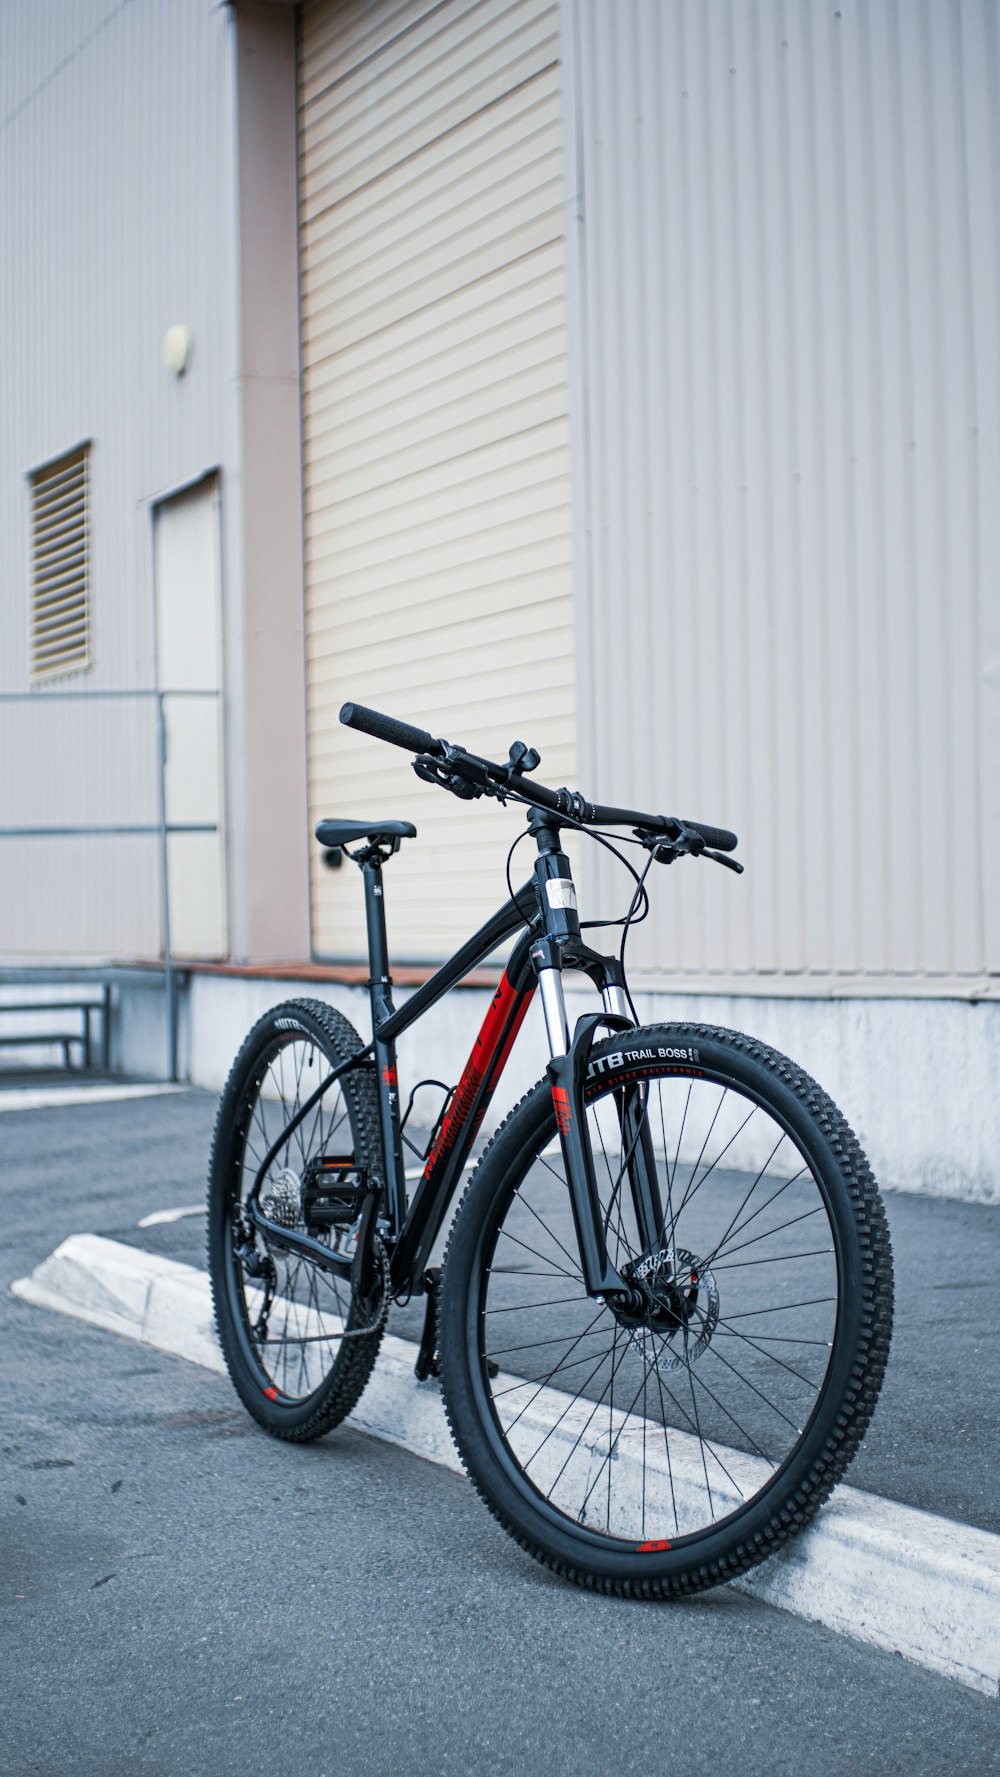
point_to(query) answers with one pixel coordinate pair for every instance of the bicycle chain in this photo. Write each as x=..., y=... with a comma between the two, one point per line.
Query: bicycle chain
x=382, y=1316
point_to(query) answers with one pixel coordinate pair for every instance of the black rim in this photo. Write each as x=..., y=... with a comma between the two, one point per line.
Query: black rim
x=645, y=1437
x=292, y=1312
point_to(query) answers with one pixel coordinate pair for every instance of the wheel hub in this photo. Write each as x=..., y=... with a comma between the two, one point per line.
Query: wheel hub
x=675, y=1298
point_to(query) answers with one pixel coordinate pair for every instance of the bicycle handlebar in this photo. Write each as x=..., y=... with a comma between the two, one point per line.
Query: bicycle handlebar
x=718, y=838
x=417, y=740
x=398, y=734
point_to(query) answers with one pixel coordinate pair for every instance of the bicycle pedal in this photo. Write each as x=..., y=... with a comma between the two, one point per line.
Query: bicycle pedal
x=333, y=1191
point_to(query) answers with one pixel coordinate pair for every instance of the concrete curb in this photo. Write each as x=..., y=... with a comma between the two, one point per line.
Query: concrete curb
x=887, y=1574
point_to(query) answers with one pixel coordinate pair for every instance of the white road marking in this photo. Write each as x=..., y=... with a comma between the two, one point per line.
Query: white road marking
x=43, y=1098
x=887, y=1574
x=159, y=1216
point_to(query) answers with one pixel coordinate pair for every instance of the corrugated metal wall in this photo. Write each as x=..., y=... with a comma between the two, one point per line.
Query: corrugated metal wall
x=786, y=291
x=117, y=219
x=436, y=444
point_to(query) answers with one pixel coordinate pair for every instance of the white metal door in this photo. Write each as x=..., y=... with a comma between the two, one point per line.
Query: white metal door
x=188, y=638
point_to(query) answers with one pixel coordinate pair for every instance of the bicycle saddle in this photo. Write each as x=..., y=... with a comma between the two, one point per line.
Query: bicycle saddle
x=334, y=833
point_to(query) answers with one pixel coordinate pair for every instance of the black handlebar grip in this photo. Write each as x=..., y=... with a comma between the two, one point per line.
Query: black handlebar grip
x=398, y=734
x=719, y=838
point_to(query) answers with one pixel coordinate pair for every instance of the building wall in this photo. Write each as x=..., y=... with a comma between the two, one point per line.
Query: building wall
x=785, y=277
x=437, y=517
x=147, y=177
x=270, y=843
x=116, y=173
x=918, y=1137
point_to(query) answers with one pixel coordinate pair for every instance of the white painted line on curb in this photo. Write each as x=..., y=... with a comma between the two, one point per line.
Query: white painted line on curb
x=884, y=1573
x=44, y=1098
x=161, y=1216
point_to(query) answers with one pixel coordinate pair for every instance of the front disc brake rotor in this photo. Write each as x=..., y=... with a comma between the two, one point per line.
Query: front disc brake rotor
x=682, y=1307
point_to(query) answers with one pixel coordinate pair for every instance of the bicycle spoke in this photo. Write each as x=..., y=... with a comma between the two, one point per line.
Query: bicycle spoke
x=761, y=1174
x=768, y=1233
x=553, y=1302
x=574, y=1276
x=299, y=1346
x=755, y=1390
x=794, y=1180
x=554, y=1237
x=693, y=1189
x=718, y=1394
x=561, y=1369
x=534, y=1397
x=784, y=1307
x=778, y=1259
x=576, y=1445
x=612, y=1447
x=694, y=1426
x=534, y=1344
x=701, y=1155
x=792, y=1371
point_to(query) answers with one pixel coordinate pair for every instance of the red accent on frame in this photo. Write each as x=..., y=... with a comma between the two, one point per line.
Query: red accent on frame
x=486, y=1063
x=561, y=1105
x=501, y=1060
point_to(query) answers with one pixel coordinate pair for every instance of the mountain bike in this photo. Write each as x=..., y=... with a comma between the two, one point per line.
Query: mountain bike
x=664, y=1311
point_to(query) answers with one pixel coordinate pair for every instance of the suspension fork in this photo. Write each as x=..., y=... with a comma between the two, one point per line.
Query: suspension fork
x=630, y=1103
x=637, y=1142
x=568, y=1068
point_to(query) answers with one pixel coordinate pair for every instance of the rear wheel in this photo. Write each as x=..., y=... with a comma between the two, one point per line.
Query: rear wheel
x=298, y=1343
x=667, y=1447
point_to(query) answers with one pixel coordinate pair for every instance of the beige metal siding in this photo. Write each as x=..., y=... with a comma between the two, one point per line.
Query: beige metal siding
x=435, y=429
x=787, y=279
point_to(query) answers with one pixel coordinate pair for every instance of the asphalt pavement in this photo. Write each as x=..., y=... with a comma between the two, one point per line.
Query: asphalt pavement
x=934, y=1441
x=180, y=1594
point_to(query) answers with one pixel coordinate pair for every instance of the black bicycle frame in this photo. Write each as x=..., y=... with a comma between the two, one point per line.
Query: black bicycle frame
x=544, y=910
x=414, y=1227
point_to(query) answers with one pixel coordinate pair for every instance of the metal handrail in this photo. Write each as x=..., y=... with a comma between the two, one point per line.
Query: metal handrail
x=161, y=826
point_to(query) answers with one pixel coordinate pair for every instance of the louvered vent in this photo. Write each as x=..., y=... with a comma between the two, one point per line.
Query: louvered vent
x=60, y=522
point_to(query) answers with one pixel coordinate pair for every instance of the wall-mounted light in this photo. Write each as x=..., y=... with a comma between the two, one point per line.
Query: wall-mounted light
x=176, y=348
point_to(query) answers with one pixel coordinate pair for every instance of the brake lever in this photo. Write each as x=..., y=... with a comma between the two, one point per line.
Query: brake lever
x=688, y=844
x=719, y=857
x=468, y=777
x=457, y=771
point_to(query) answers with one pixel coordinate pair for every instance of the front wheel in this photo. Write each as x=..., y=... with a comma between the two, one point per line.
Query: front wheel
x=668, y=1448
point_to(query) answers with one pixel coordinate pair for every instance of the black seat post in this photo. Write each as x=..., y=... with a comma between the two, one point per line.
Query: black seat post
x=380, y=995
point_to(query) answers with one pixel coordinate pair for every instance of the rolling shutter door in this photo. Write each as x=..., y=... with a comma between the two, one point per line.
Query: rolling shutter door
x=437, y=515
